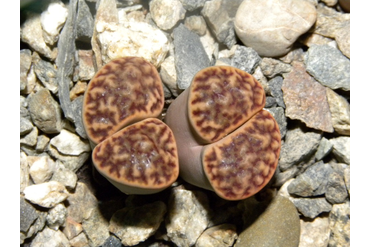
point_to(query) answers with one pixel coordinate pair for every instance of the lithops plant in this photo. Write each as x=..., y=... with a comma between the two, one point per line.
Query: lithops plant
x=227, y=142
x=133, y=149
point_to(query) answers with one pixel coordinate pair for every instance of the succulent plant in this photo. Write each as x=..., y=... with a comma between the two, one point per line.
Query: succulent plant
x=226, y=141
x=133, y=149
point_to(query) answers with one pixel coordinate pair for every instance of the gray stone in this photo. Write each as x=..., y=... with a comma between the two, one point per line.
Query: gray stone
x=340, y=112
x=190, y=56
x=80, y=240
x=336, y=189
x=42, y=142
x=261, y=78
x=76, y=107
x=191, y=5
x=72, y=228
x=182, y=229
x=313, y=182
x=347, y=179
x=38, y=225
x=86, y=68
x=65, y=61
x=341, y=148
x=49, y=237
x=312, y=207
x=315, y=232
x=275, y=85
x=324, y=148
x=135, y=225
x=30, y=139
x=272, y=67
x=46, y=73
x=85, y=22
x=28, y=215
x=219, y=21
x=96, y=227
x=165, y=13
x=81, y=203
x=168, y=75
x=270, y=102
x=296, y=54
x=277, y=225
x=273, y=36
x=112, y=241
x=25, y=64
x=278, y=114
x=67, y=177
x=339, y=219
x=45, y=112
x=328, y=66
x=68, y=143
x=245, y=58
x=281, y=178
x=221, y=235
x=23, y=103
x=56, y=216
x=47, y=194
x=298, y=146
x=25, y=126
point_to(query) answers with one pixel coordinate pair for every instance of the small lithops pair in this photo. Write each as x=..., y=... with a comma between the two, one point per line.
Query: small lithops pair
x=216, y=134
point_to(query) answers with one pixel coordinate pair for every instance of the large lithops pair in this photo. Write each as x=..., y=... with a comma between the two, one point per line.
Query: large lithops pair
x=216, y=134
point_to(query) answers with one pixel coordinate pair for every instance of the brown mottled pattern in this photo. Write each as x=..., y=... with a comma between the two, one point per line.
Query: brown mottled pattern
x=242, y=163
x=143, y=154
x=222, y=98
x=125, y=90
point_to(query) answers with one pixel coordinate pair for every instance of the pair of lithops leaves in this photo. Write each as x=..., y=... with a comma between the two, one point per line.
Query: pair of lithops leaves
x=215, y=135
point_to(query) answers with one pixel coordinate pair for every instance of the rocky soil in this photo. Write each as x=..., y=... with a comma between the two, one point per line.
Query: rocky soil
x=302, y=63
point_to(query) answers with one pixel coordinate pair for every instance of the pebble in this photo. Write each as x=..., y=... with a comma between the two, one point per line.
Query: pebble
x=245, y=58
x=135, y=225
x=96, y=227
x=328, y=66
x=26, y=126
x=312, y=207
x=30, y=139
x=339, y=219
x=79, y=240
x=32, y=34
x=25, y=64
x=86, y=69
x=347, y=178
x=49, y=237
x=166, y=14
x=182, y=229
x=78, y=90
x=190, y=56
x=52, y=21
x=38, y=225
x=112, y=241
x=272, y=67
x=281, y=177
x=273, y=36
x=196, y=24
x=310, y=39
x=342, y=37
x=210, y=46
x=278, y=114
x=42, y=142
x=221, y=235
x=261, y=78
x=41, y=168
x=168, y=75
x=23, y=104
x=306, y=99
x=56, y=216
x=126, y=39
x=336, y=188
x=72, y=228
x=67, y=177
x=46, y=194
x=313, y=182
x=45, y=112
x=298, y=146
x=315, y=232
x=341, y=148
x=324, y=149
x=219, y=21
x=24, y=180
x=68, y=143
x=340, y=112
x=330, y=2
x=277, y=225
